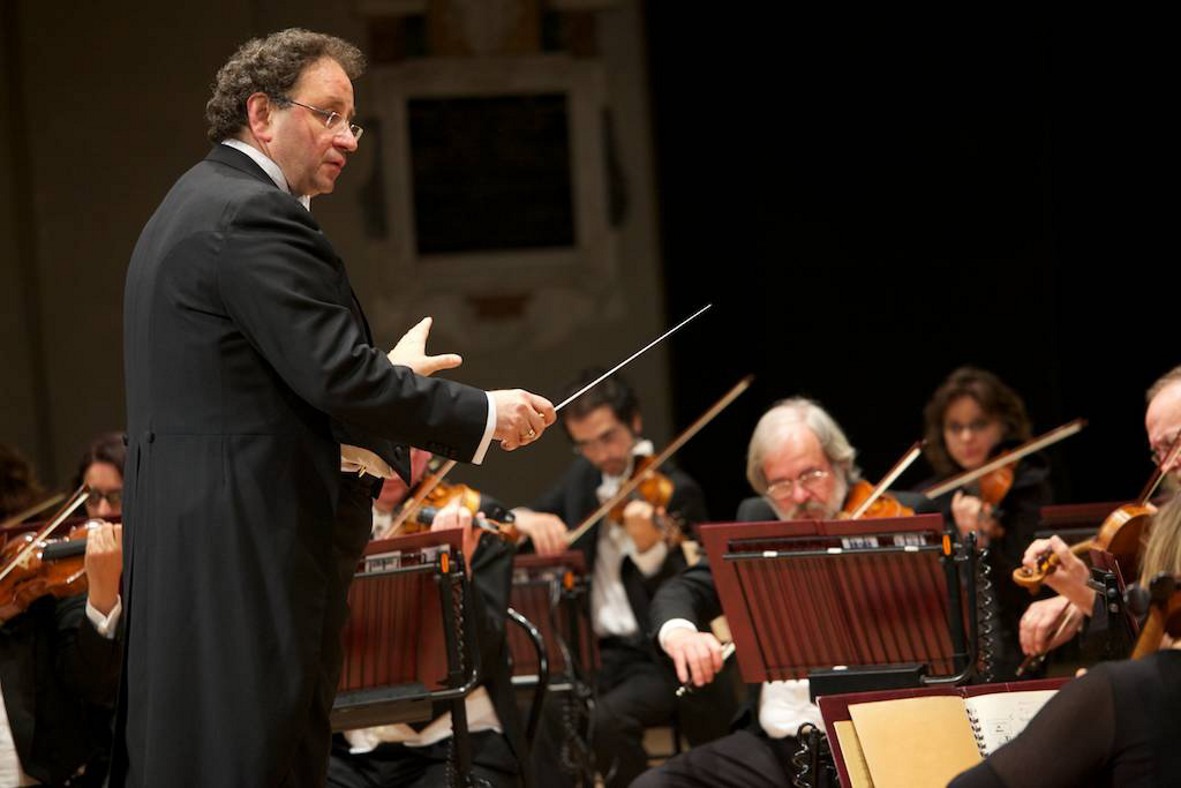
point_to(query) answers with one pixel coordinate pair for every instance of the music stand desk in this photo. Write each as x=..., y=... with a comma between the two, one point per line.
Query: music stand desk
x=401, y=648
x=867, y=595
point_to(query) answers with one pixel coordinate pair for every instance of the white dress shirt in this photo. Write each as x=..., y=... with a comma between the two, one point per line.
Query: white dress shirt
x=611, y=612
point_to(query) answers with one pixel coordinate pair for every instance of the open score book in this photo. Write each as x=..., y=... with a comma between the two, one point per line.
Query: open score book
x=925, y=740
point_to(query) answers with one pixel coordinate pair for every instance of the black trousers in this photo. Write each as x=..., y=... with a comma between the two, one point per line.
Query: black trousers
x=740, y=760
x=493, y=764
x=633, y=692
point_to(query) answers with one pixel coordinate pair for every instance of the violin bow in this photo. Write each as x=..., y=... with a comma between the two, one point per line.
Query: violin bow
x=1036, y=444
x=428, y=484
x=71, y=504
x=629, y=486
x=1159, y=474
x=899, y=467
x=411, y=506
x=36, y=508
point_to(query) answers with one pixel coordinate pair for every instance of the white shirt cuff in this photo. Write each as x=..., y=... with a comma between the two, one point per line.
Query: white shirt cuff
x=105, y=625
x=648, y=563
x=672, y=625
x=489, y=431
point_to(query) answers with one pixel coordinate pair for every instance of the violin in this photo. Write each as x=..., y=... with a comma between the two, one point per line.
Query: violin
x=1120, y=533
x=499, y=521
x=992, y=487
x=866, y=500
x=653, y=487
x=1164, y=615
x=882, y=505
x=42, y=567
x=656, y=489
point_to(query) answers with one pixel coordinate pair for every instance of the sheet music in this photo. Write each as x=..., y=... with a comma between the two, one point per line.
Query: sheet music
x=998, y=717
x=918, y=742
x=853, y=755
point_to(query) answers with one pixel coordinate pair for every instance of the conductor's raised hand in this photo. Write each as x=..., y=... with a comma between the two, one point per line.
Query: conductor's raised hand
x=411, y=352
x=521, y=417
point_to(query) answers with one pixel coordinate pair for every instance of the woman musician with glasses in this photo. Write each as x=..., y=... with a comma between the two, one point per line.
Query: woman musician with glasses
x=972, y=417
x=60, y=658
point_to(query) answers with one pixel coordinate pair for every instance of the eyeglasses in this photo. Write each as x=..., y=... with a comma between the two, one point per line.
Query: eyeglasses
x=608, y=438
x=809, y=480
x=333, y=121
x=975, y=427
x=96, y=497
x=1158, y=453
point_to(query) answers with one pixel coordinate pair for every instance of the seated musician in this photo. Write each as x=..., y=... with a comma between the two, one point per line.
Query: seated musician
x=971, y=417
x=405, y=755
x=59, y=657
x=802, y=466
x=1049, y=623
x=1117, y=725
x=627, y=562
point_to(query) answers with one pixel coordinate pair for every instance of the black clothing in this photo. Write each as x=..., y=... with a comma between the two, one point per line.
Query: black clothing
x=392, y=765
x=1116, y=726
x=741, y=760
x=634, y=688
x=60, y=678
x=248, y=360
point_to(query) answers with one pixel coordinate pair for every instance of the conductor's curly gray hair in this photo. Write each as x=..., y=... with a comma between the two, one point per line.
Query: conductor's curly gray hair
x=271, y=65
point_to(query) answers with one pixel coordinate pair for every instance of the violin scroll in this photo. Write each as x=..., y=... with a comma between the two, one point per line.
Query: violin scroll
x=1120, y=534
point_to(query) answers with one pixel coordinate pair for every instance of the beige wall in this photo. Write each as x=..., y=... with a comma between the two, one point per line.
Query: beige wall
x=113, y=115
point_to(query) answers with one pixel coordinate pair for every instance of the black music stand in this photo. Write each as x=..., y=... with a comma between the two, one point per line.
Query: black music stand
x=408, y=618
x=1113, y=628
x=552, y=592
x=851, y=605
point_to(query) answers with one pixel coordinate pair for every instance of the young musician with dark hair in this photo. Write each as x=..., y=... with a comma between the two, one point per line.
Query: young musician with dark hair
x=60, y=658
x=628, y=561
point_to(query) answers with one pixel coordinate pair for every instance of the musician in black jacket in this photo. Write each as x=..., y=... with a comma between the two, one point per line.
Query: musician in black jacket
x=60, y=658
x=628, y=562
x=801, y=465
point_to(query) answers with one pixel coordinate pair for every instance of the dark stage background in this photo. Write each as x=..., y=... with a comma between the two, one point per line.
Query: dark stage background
x=870, y=203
